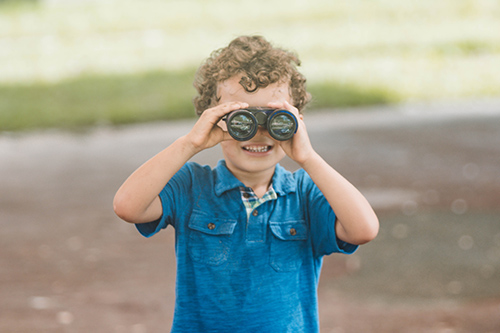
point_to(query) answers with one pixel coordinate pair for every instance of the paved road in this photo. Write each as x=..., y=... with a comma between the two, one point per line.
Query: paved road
x=432, y=171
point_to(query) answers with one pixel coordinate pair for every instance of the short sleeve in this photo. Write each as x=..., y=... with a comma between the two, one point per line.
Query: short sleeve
x=172, y=197
x=322, y=220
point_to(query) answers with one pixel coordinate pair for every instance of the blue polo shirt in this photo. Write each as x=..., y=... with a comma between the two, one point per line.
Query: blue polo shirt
x=239, y=273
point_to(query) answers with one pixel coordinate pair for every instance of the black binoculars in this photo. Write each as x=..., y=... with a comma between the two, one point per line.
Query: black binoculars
x=242, y=124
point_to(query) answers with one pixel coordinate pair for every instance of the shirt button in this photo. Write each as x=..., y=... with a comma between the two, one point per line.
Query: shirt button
x=211, y=226
x=255, y=212
x=246, y=195
x=293, y=232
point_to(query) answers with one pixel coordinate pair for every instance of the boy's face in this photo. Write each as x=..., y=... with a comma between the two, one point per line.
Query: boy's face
x=262, y=152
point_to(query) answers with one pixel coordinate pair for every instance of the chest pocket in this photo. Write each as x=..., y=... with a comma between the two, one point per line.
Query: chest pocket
x=210, y=239
x=289, y=244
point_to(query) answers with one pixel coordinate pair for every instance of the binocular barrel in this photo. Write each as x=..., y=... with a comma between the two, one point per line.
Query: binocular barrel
x=243, y=124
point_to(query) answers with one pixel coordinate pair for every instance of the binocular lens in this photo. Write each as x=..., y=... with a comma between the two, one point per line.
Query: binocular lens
x=282, y=127
x=242, y=126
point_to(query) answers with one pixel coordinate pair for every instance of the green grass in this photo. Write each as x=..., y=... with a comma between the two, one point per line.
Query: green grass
x=92, y=100
x=335, y=95
x=121, y=99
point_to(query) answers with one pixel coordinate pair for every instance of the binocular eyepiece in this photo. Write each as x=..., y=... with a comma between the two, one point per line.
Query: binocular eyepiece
x=242, y=124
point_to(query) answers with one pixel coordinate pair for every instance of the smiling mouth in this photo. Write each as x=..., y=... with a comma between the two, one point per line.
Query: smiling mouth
x=257, y=149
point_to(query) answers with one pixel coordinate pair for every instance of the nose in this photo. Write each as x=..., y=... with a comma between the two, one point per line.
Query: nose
x=261, y=130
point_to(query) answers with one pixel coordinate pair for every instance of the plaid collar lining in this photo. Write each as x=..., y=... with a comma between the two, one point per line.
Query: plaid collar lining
x=252, y=201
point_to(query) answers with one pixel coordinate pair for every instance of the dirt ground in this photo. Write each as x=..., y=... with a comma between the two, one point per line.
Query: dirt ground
x=432, y=172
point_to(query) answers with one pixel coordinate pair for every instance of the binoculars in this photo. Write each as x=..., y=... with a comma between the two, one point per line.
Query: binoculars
x=242, y=124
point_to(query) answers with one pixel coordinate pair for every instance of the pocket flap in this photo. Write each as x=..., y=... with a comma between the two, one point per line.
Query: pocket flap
x=293, y=230
x=212, y=226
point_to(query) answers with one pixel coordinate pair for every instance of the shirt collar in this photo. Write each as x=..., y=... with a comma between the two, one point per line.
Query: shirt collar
x=283, y=180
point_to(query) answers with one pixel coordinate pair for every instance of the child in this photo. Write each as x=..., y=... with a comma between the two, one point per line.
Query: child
x=250, y=236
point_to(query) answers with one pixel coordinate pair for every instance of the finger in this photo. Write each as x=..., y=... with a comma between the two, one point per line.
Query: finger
x=276, y=105
x=291, y=108
x=223, y=109
x=284, y=105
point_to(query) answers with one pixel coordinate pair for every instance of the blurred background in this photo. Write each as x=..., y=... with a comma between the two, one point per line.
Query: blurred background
x=406, y=104
x=127, y=61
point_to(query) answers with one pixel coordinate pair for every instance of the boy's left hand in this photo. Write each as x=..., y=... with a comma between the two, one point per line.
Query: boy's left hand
x=299, y=147
x=356, y=222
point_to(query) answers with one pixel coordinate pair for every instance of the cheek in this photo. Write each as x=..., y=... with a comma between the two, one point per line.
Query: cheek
x=229, y=147
x=280, y=151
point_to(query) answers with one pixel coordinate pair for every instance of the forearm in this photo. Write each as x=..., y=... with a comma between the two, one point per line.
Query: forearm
x=356, y=220
x=137, y=199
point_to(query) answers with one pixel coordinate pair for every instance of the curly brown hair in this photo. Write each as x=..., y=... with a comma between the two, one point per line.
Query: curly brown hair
x=261, y=65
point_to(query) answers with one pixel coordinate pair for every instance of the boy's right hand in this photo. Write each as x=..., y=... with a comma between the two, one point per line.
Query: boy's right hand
x=137, y=200
x=207, y=133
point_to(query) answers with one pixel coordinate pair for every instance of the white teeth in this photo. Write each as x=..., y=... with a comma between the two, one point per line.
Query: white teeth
x=255, y=149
